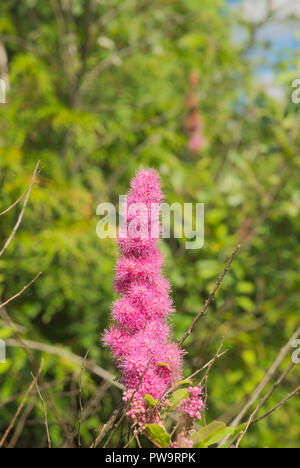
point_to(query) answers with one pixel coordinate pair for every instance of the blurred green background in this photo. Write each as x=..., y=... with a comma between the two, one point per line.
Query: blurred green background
x=96, y=89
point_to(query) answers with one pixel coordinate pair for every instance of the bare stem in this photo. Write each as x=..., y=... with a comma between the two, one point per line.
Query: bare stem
x=17, y=225
x=21, y=406
x=210, y=298
x=44, y=410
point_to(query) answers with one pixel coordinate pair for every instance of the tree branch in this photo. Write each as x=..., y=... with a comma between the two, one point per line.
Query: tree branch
x=280, y=357
x=210, y=298
x=29, y=391
x=22, y=211
x=44, y=410
x=276, y=407
x=61, y=352
x=14, y=204
x=4, y=314
x=264, y=400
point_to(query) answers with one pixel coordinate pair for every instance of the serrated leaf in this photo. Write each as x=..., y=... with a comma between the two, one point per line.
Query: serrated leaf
x=158, y=435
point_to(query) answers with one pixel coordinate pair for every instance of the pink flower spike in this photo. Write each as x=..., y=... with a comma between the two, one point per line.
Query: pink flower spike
x=141, y=339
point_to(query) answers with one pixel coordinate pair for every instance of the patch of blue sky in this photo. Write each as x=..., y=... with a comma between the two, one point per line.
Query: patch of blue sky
x=281, y=36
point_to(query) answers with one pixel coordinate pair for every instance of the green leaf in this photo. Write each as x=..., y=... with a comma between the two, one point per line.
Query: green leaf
x=177, y=397
x=236, y=432
x=228, y=431
x=183, y=382
x=158, y=435
x=245, y=303
x=150, y=400
x=208, y=433
x=162, y=364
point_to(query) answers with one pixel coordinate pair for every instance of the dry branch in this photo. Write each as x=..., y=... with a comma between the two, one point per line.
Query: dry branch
x=264, y=400
x=80, y=398
x=61, y=352
x=27, y=394
x=14, y=204
x=44, y=410
x=210, y=298
x=17, y=225
x=4, y=314
x=107, y=426
x=276, y=407
x=280, y=357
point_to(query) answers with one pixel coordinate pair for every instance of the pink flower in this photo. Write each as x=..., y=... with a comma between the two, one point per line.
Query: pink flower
x=193, y=122
x=193, y=405
x=141, y=337
x=197, y=142
x=182, y=441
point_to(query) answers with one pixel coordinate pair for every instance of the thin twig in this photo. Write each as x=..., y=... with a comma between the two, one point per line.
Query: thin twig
x=138, y=441
x=132, y=438
x=34, y=365
x=207, y=364
x=210, y=298
x=107, y=426
x=20, y=426
x=44, y=410
x=263, y=401
x=29, y=391
x=20, y=292
x=280, y=357
x=128, y=404
x=111, y=423
x=14, y=204
x=140, y=382
x=80, y=398
x=17, y=225
x=212, y=361
x=7, y=318
x=58, y=351
x=93, y=404
x=276, y=407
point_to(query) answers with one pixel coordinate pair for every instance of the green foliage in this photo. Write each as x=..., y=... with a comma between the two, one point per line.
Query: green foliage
x=177, y=396
x=150, y=400
x=96, y=93
x=215, y=432
x=210, y=434
x=158, y=435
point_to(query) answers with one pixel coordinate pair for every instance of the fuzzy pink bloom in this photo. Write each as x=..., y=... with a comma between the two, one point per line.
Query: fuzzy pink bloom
x=197, y=142
x=118, y=341
x=193, y=405
x=193, y=122
x=141, y=338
